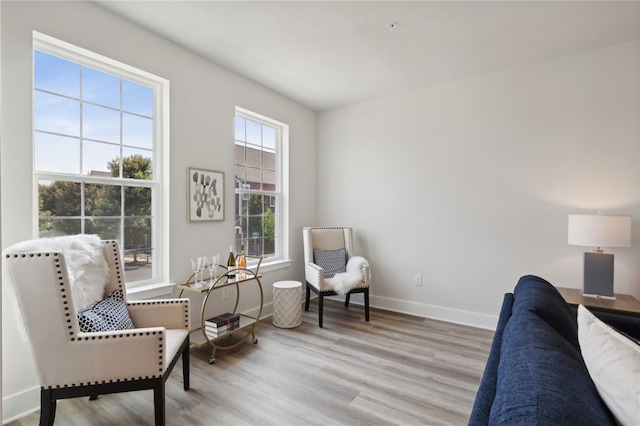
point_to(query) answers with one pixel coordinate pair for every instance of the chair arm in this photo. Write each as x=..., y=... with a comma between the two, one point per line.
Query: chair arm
x=314, y=274
x=366, y=273
x=109, y=356
x=168, y=313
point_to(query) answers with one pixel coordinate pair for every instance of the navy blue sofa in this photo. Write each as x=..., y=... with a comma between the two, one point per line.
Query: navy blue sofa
x=535, y=374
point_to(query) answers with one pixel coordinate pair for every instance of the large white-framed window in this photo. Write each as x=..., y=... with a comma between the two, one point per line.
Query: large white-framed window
x=261, y=186
x=100, y=143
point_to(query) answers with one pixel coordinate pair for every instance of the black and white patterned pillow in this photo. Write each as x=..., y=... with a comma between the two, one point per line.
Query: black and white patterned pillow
x=332, y=261
x=107, y=314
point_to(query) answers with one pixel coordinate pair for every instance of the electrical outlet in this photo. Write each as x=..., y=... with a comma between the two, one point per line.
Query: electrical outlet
x=417, y=279
x=225, y=292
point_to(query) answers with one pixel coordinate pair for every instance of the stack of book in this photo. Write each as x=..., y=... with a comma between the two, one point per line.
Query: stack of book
x=221, y=324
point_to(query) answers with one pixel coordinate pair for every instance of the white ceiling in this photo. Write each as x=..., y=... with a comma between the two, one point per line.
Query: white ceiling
x=326, y=54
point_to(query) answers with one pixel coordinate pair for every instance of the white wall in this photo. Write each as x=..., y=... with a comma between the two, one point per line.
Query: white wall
x=470, y=183
x=203, y=101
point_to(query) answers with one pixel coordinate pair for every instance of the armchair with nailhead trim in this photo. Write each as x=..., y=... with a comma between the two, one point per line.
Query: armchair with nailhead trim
x=72, y=363
x=330, y=239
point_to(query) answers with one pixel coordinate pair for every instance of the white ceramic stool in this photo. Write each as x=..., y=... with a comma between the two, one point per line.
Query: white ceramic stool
x=287, y=304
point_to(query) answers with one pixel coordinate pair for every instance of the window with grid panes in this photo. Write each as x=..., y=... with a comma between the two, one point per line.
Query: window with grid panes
x=259, y=200
x=97, y=152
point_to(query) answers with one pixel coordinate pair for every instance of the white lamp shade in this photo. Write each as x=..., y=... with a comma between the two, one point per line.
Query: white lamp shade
x=599, y=231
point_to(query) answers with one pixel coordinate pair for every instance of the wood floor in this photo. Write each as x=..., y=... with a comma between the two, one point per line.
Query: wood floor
x=394, y=370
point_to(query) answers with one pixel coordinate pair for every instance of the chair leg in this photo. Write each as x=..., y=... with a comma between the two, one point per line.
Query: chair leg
x=47, y=407
x=93, y=397
x=158, y=402
x=307, y=298
x=346, y=299
x=185, y=367
x=366, y=304
x=320, y=306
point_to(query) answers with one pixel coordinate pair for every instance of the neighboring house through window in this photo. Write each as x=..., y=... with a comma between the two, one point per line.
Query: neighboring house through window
x=100, y=154
x=261, y=180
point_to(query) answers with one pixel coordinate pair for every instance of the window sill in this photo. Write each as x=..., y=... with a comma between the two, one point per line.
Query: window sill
x=267, y=266
x=150, y=291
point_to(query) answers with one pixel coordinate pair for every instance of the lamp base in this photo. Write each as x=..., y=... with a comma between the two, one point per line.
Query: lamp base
x=598, y=274
x=597, y=296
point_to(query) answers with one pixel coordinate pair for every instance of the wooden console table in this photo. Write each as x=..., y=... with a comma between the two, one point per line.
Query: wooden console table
x=623, y=303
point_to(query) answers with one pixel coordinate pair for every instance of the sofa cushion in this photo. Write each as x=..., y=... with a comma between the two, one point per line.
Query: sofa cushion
x=538, y=296
x=613, y=360
x=542, y=378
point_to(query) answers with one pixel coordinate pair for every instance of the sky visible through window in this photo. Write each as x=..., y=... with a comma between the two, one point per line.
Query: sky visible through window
x=255, y=134
x=92, y=129
x=85, y=118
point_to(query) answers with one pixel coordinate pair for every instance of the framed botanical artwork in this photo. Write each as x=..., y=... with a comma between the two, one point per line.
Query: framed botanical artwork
x=205, y=189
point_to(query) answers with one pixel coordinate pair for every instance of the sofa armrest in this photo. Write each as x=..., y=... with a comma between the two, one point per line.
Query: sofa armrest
x=167, y=313
x=487, y=389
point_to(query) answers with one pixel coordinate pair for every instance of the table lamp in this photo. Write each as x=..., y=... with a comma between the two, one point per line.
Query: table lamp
x=599, y=231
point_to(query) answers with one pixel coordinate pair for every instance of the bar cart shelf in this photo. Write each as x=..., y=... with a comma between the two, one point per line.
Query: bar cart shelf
x=243, y=278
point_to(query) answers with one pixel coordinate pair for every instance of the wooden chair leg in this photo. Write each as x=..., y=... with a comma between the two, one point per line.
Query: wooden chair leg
x=158, y=402
x=366, y=304
x=346, y=299
x=47, y=407
x=186, y=367
x=307, y=298
x=320, y=306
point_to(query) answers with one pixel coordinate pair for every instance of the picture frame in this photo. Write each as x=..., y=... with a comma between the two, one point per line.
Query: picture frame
x=205, y=195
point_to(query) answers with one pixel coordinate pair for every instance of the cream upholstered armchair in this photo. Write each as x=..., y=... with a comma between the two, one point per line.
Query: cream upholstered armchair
x=73, y=363
x=331, y=268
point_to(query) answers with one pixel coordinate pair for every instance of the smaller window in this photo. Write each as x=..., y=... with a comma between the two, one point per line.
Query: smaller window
x=260, y=202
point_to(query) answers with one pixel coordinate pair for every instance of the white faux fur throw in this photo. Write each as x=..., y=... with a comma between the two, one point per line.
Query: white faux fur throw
x=86, y=265
x=343, y=282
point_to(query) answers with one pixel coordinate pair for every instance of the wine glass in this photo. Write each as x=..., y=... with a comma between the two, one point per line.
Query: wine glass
x=212, y=266
x=196, y=266
x=203, y=266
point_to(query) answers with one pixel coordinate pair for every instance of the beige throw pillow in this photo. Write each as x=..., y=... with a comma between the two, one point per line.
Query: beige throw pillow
x=613, y=362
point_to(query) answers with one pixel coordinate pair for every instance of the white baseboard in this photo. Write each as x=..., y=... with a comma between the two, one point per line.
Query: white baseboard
x=267, y=311
x=20, y=404
x=455, y=316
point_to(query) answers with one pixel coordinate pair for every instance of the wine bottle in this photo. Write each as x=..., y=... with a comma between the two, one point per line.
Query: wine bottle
x=231, y=264
x=241, y=260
